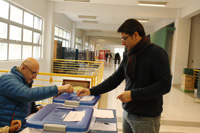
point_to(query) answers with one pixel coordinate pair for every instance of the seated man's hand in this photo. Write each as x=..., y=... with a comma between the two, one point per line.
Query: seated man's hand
x=66, y=88
x=15, y=126
x=83, y=92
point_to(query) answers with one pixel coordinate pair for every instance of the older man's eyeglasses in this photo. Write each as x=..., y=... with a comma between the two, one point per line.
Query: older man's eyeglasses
x=34, y=73
x=124, y=38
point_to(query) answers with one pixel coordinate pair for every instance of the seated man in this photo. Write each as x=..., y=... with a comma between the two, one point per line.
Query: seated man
x=16, y=94
x=14, y=127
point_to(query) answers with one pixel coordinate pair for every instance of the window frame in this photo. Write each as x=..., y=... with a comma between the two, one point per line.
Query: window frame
x=78, y=42
x=22, y=26
x=63, y=39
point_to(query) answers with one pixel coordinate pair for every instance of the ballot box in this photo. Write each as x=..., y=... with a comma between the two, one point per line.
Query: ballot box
x=97, y=125
x=73, y=99
x=59, y=118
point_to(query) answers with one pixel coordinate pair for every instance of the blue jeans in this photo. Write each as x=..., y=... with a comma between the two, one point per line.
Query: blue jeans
x=134, y=124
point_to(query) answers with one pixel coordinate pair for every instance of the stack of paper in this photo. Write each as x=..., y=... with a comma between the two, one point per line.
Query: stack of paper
x=75, y=116
x=103, y=113
x=103, y=126
x=87, y=98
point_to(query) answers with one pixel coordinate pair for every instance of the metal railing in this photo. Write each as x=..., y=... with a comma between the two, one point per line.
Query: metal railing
x=196, y=77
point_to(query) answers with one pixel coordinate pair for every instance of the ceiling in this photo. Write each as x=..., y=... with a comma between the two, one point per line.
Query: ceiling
x=105, y=16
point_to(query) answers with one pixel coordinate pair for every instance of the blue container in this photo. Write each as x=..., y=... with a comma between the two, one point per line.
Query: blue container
x=50, y=118
x=73, y=97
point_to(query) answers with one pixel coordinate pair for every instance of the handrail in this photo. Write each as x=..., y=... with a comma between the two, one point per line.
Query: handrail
x=196, y=76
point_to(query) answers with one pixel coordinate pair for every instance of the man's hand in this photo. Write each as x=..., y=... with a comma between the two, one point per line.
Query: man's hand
x=66, y=88
x=83, y=92
x=125, y=97
x=15, y=126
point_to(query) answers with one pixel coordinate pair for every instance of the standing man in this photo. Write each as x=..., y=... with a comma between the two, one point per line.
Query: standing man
x=106, y=55
x=109, y=57
x=16, y=94
x=146, y=71
x=117, y=58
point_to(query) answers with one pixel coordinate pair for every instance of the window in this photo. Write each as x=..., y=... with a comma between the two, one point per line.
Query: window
x=16, y=14
x=27, y=35
x=86, y=45
x=3, y=51
x=62, y=35
x=3, y=30
x=78, y=43
x=36, y=51
x=20, y=32
x=37, y=38
x=28, y=19
x=16, y=49
x=27, y=51
x=37, y=23
x=15, y=33
x=4, y=9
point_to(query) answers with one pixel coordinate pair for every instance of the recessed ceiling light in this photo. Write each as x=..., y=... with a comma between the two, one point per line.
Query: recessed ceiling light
x=87, y=17
x=78, y=0
x=86, y=21
x=101, y=40
x=143, y=20
x=96, y=30
x=152, y=3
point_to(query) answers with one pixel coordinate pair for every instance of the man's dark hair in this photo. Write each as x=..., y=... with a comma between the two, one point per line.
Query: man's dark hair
x=130, y=26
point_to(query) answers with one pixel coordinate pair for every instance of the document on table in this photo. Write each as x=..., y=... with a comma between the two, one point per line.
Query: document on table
x=103, y=126
x=87, y=98
x=103, y=113
x=75, y=116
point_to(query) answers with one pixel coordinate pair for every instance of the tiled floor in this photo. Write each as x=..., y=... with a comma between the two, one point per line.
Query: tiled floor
x=181, y=110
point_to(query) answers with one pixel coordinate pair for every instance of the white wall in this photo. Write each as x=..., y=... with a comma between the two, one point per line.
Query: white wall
x=63, y=22
x=79, y=33
x=194, y=58
x=180, y=48
x=38, y=7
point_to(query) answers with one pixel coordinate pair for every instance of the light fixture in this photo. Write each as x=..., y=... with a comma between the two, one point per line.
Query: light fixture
x=96, y=30
x=87, y=17
x=78, y=0
x=87, y=21
x=152, y=3
x=143, y=20
x=101, y=40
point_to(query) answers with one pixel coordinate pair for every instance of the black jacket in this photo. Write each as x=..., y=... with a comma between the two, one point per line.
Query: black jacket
x=153, y=80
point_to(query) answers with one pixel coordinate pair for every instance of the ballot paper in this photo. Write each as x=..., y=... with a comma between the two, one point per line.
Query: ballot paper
x=74, y=116
x=103, y=126
x=103, y=113
x=87, y=98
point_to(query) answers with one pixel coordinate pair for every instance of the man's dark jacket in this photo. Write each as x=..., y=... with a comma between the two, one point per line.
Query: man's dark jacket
x=153, y=80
